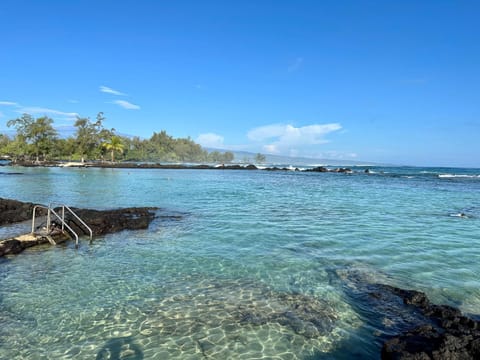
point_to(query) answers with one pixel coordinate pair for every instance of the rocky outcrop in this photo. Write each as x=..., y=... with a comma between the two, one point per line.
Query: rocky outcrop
x=324, y=169
x=100, y=221
x=110, y=221
x=14, y=246
x=408, y=325
x=446, y=335
x=18, y=244
x=133, y=165
x=13, y=211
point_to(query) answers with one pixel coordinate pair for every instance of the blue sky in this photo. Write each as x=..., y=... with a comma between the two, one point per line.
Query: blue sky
x=385, y=81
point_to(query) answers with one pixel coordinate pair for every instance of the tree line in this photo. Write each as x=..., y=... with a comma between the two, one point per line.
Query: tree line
x=36, y=139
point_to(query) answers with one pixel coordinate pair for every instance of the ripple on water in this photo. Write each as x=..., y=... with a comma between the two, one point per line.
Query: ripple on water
x=184, y=288
x=217, y=318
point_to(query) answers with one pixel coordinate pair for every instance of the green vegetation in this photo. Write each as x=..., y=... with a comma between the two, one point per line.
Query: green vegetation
x=260, y=158
x=114, y=145
x=37, y=139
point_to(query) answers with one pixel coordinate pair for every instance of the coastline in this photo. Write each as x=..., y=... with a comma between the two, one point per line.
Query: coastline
x=143, y=165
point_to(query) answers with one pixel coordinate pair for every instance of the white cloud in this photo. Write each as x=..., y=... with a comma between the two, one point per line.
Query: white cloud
x=8, y=103
x=46, y=111
x=210, y=140
x=290, y=140
x=73, y=101
x=295, y=65
x=106, y=89
x=310, y=134
x=266, y=132
x=271, y=149
x=126, y=105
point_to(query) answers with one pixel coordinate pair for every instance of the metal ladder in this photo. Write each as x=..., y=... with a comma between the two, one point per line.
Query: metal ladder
x=61, y=218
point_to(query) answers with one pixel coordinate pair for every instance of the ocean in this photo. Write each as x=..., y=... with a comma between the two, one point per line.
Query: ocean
x=254, y=264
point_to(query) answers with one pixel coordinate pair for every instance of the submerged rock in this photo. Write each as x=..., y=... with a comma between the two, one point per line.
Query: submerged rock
x=446, y=335
x=411, y=327
x=307, y=316
x=225, y=318
x=237, y=307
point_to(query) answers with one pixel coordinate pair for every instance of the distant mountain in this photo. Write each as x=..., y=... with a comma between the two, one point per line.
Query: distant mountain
x=249, y=157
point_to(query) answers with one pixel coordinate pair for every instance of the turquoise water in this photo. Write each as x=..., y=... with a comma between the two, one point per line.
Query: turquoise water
x=246, y=273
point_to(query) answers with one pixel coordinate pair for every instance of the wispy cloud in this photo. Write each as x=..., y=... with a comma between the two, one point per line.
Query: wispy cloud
x=36, y=110
x=8, y=103
x=295, y=65
x=47, y=111
x=210, y=140
x=291, y=140
x=108, y=90
x=73, y=101
x=126, y=105
x=2, y=114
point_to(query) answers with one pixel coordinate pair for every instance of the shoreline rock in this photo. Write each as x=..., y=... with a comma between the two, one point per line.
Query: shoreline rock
x=447, y=335
x=14, y=211
x=141, y=165
x=100, y=221
x=408, y=325
x=110, y=221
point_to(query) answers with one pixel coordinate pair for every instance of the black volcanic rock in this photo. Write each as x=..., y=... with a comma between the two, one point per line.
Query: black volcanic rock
x=342, y=170
x=100, y=221
x=448, y=335
x=109, y=221
x=13, y=211
x=317, y=169
x=410, y=326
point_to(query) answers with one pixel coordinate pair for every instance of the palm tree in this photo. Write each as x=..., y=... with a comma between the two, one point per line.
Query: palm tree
x=114, y=145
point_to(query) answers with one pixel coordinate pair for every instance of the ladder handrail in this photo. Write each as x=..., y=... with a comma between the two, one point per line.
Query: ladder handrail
x=68, y=226
x=33, y=217
x=75, y=215
x=50, y=210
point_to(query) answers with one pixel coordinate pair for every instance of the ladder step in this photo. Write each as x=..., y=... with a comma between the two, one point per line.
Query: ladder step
x=50, y=239
x=50, y=210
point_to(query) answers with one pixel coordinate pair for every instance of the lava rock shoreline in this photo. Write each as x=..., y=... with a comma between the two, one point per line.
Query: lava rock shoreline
x=100, y=221
x=446, y=333
x=409, y=326
x=141, y=165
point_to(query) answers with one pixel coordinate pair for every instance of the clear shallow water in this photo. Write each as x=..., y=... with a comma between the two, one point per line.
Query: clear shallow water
x=246, y=271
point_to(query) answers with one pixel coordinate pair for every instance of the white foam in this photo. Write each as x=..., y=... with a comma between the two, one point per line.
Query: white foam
x=447, y=176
